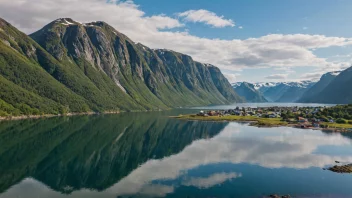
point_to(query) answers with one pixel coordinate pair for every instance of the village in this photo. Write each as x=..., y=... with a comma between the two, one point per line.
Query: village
x=302, y=117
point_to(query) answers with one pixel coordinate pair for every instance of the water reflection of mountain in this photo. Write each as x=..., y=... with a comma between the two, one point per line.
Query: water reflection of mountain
x=91, y=151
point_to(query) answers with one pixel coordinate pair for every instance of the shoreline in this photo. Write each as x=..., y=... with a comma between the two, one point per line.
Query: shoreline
x=25, y=117
x=256, y=122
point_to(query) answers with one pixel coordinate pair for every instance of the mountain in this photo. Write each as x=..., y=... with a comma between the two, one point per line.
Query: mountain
x=248, y=91
x=283, y=91
x=338, y=91
x=324, y=81
x=72, y=67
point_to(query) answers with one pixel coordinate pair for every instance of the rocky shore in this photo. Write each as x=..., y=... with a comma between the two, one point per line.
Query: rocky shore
x=341, y=169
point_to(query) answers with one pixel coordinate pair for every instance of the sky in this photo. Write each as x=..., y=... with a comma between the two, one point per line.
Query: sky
x=249, y=40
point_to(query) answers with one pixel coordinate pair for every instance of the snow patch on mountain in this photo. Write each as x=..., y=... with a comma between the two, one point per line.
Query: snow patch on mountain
x=302, y=84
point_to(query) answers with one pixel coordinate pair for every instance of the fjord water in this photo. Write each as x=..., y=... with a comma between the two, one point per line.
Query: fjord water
x=152, y=155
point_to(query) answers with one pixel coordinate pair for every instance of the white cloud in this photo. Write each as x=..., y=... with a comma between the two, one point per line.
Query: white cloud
x=231, y=77
x=207, y=17
x=277, y=76
x=240, y=27
x=212, y=180
x=273, y=50
x=312, y=76
x=316, y=74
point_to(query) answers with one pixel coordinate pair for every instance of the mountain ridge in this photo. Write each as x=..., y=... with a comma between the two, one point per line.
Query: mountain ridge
x=248, y=91
x=324, y=81
x=102, y=69
x=336, y=91
x=279, y=91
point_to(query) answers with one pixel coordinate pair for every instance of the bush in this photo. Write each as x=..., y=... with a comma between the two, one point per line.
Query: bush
x=341, y=121
x=324, y=118
x=350, y=122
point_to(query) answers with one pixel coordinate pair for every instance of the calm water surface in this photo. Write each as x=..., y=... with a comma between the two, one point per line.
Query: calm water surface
x=151, y=155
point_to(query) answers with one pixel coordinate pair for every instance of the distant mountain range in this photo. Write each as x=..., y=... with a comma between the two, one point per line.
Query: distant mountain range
x=273, y=91
x=332, y=88
x=68, y=66
x=249, y=92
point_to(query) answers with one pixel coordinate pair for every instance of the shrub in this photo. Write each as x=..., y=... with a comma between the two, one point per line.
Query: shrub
x=341, y=121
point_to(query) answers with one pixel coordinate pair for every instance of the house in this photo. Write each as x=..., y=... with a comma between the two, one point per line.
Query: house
x=213, y=113
x=316, y=124
x=301, y=119
x=201, y=113
x=250, y=113
x=272, y=115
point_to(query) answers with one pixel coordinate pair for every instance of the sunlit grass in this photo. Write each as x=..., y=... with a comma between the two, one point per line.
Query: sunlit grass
x=337, y=125
x=259, y=121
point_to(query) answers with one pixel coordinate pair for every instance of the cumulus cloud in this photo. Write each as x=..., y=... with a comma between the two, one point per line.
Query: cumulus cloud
x=277, y=76
x=157, y=31
x=231, y=77
x=207, y=17
x=316, y=74
x=313, y=75
x=212, y=180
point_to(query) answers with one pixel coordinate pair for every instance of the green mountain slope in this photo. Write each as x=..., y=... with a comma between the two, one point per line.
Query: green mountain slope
x=338, y=91
x=71, y=67
x=324, y=81
x=158, y=77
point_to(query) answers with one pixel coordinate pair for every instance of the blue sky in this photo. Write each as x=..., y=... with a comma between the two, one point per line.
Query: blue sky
x=328, y=17
x=249, y=40
x=259, y=18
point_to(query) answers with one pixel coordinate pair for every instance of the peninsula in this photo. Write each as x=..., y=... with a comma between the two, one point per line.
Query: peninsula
x=337, y=118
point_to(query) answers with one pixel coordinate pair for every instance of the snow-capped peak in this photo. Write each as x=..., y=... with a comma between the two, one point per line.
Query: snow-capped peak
x=260, y=85
x=335, y=73
x=66, y=21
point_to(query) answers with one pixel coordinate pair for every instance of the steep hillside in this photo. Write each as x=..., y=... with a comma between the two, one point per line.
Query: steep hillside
x=338, y=91
x=160, y=77
x=74, y=67
x=248, y=91
x=324, y=81
x=26, y=88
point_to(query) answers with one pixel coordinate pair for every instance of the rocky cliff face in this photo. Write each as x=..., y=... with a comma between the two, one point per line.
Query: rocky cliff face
x=99, y=69
x=162, y=77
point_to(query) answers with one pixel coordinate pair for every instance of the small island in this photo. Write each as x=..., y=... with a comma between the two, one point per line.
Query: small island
x=341, y=169
x=337, y=118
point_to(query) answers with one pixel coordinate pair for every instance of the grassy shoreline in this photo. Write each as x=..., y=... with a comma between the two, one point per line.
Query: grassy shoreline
x=270, y=122
x=262, y=122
